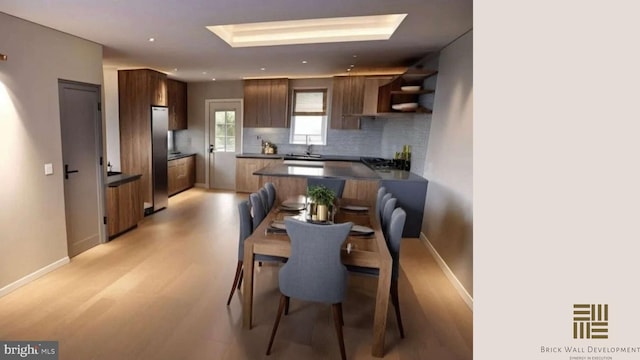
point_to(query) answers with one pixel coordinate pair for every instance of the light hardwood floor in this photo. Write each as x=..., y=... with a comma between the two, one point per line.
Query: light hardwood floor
x=159, y=292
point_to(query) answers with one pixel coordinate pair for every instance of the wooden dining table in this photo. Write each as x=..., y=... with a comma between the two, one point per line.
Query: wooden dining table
x=369, y=252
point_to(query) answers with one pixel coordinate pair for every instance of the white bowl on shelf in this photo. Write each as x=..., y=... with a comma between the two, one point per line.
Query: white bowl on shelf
x=410, y=88
x=405, y=106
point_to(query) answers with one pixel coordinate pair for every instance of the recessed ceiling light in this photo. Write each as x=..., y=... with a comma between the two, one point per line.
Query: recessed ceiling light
x=263, y=69
x=304, y=61
x=204, y=73
x=355, y=56
x=352, y=65
x=349, y=69
x=175, y=69
x=152, y=39
x=214, y=79
x=309, y=31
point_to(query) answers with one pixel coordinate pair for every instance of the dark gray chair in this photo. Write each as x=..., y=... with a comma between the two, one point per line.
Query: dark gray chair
x=271, y=192
x=264, y=197
x=387, y=211
x=246, y=229
x=314, y=272
x=257, y=209
x=337, y=185
x=382, y=191
x=393, y=239
x=385, y=198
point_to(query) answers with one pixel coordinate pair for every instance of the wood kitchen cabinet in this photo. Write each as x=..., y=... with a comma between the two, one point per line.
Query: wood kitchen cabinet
x=266, y=103
x=245, y=167
x=138, y=90
x=181, y=174
x=177, y=100
x=347, y=102
x=124, y=207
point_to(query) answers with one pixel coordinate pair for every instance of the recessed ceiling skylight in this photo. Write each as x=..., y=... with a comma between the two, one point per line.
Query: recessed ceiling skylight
x=311, y=31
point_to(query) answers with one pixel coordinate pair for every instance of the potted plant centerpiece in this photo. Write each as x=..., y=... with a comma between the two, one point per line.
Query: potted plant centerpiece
x=323, y=198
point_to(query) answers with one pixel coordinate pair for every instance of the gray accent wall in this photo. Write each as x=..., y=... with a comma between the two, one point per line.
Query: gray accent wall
x=448, y=218
x=34, y=235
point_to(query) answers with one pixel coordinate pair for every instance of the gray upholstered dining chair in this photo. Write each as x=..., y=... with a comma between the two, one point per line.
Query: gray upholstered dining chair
x=271, y=192
x=337, y=185
x=314, y=271
x=382, y=191
x=246, y=229
x=393, y=239
x=387, y=211
x=264, y=197
x=384, y=200
x=257, y=209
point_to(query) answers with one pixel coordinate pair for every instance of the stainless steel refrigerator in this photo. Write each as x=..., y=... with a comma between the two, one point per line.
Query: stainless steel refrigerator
x=159, y=129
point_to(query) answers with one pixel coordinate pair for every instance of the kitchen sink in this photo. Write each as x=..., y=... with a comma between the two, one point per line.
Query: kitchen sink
x=303, y=156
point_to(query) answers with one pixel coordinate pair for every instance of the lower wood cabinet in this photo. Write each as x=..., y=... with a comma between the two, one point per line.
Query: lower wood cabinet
x=245, y=167
x=181, y=174
x=124, y=207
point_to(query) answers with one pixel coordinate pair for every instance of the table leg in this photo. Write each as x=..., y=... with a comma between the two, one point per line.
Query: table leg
x=382, y=305
x=247, y=293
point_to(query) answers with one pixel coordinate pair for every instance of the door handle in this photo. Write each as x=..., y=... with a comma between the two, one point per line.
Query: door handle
x=211, y=148
x=67, y=171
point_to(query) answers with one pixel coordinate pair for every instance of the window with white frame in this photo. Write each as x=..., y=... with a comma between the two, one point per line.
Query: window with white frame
x=309, y=117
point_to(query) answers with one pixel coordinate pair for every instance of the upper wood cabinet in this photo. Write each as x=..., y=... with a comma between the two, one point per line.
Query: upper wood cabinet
x=177, y=99
x=347, y=102
x=266, y=103
x=138, y=90
x=392, y=93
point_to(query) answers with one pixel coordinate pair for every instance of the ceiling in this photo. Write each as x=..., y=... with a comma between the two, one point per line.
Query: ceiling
x=182, y=42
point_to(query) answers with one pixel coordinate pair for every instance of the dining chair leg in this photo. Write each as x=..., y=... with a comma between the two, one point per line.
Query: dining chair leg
x=286, y=307
x=340, y=312
x=235, y=281
x=337, y=320
x=283, y=300
x=241, y=277
x=396, y=305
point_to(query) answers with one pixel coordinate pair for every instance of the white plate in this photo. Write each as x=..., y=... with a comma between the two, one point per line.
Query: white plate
x=355, y=208
x=287, y=205
x=362, y=229
x=277, y=225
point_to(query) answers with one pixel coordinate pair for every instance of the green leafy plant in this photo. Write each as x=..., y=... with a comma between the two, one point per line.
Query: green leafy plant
x=321, y=195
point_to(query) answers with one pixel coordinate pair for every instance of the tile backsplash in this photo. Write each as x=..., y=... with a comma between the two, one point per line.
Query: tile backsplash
x=378, y=137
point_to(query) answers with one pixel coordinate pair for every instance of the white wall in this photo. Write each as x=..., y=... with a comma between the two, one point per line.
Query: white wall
x=448, y=219
x=32, y=214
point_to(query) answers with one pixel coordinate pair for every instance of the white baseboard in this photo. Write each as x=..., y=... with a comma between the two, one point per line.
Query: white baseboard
x=447, y=272
x=33, y=276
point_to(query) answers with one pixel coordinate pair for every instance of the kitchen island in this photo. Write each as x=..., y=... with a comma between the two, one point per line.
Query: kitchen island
x=361, y=183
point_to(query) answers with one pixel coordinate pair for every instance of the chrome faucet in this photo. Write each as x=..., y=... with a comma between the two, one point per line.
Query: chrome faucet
x=309, y=150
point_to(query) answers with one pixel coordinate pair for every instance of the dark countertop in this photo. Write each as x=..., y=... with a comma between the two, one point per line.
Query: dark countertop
x=259, y=156
x=315, y=157
x=179, y=156
x=399, y=175
x=355, y=171
x=117, y=180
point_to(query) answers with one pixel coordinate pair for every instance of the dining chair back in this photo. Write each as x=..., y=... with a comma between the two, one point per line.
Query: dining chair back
x=337, y=185
x=245, y=230
x=389, y=206
x=384, y=200
x=257, y=209
x=381, y=193
x=314, y=271
x=393, y=238
x=271, y=192
x=264, y=197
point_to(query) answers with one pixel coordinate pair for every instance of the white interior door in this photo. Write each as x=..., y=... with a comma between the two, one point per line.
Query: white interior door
x=80, y=121
x=225, y=125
